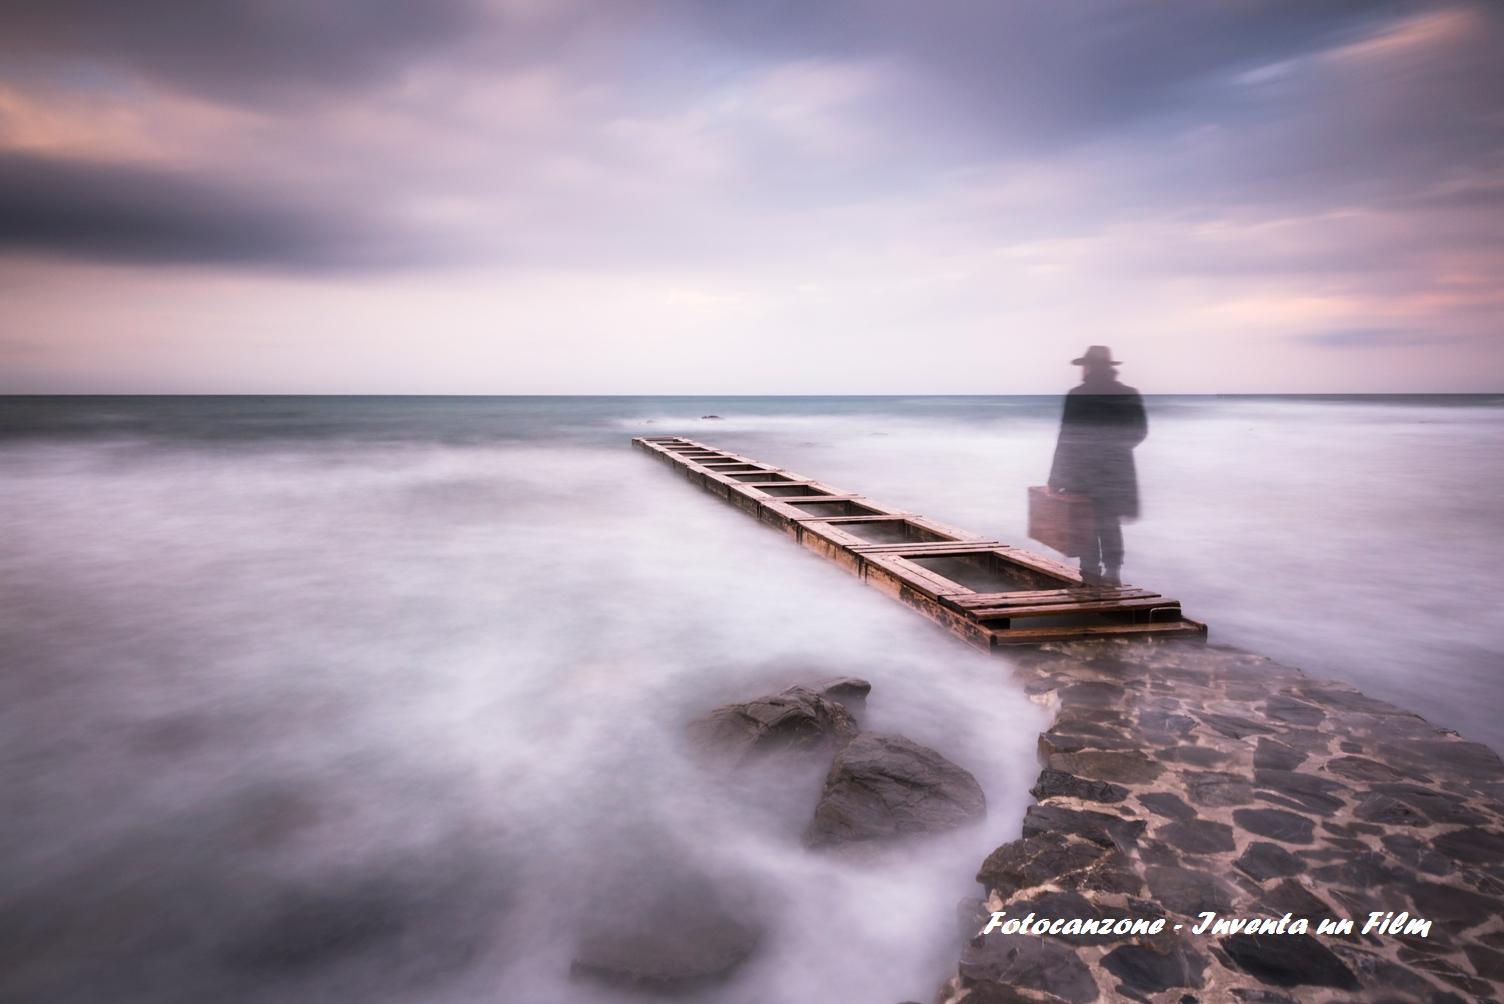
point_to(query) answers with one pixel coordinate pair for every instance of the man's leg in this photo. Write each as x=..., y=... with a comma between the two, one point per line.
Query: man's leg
x=1091, y=556
x=1110, y=531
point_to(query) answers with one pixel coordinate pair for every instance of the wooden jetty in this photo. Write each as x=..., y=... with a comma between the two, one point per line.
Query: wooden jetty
x=989, y=593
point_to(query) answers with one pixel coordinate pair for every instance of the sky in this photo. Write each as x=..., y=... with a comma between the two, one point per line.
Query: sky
x=760, y=197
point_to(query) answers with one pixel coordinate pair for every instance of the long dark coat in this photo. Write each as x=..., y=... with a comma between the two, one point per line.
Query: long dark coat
x=1102, y=423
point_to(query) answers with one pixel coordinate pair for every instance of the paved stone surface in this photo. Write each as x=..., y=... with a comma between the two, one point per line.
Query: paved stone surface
x=1182, y=777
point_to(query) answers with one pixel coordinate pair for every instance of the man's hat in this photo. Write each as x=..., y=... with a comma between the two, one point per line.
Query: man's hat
x=1098, y=354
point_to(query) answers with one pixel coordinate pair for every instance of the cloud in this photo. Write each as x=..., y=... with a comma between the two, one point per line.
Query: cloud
x=135, y=214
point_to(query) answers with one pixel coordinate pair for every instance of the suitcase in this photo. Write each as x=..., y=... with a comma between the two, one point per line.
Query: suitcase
x=1062, y=520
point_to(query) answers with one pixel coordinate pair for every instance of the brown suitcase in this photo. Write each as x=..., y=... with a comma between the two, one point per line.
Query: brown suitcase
x=1062, y=520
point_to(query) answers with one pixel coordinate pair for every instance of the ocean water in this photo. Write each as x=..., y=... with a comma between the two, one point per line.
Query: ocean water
x=309, y=699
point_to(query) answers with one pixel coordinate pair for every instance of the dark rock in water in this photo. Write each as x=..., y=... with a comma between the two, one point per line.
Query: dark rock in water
x=1289, y=960
x=849, y=691
x=315, y=927
x=680, y=935
x=993, y=965
x=1265, y=861
x=1277, y=824
x=1147, y=969
x=1098, y=827
x=797, y=720
x=1055, y=782
x=881, y=787
x=709, y=416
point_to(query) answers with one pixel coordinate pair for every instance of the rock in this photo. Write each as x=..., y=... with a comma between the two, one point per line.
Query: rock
x=1056, y=858
x=1438, y=806
x=797, y=720
x=1360, y=768
x=1235, y=727
x=678, y=936
x=1217, y=789
x=1163, y=803
x=1251, y=996
x=1449, y=906
x=1307, y=790
x=1276, y=824
x=882, y=787
x=704, y=417
x=1265, y=861
x=1289, y=960
x=1471, y=846
x=1473, y=760
x=1165, y=721
x=1379, y=808
x=1197, y=836
x=1098, y=827
x=1293, y=898
x=849, y=691
x=1275, y=755
x=1361, y=870
x=993, y=965
x=1415, y=853
x=1131, y=767
x=1196, y=756
x=1287, y=709
x=1147, y=969
x=1055, y=782
x=1187, y=891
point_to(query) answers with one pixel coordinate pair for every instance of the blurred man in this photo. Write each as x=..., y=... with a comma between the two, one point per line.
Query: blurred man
x=1103, y=421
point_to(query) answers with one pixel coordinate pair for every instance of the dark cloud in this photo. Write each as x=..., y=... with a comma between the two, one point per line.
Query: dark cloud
x=131, y=214
x=235, y=49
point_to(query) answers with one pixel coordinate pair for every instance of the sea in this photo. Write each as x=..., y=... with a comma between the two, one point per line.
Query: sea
x=384, y=698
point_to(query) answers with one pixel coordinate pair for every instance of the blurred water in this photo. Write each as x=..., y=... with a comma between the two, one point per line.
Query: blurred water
x=313, y=699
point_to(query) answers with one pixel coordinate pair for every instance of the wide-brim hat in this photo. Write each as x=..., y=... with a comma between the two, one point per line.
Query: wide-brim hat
x=1097, y=354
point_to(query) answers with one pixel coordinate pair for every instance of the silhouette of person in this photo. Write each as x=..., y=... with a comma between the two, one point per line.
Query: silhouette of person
x=1103, y=421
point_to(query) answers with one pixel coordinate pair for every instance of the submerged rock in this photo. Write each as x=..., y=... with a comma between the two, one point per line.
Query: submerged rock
x=679, y=935
x=882, y=787
x=796, y=720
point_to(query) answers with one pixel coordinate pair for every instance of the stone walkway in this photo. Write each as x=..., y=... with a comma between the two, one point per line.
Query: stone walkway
x=1181, y=778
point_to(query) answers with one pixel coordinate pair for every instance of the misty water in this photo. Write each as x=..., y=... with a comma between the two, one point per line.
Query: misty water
x=384, y=699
